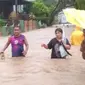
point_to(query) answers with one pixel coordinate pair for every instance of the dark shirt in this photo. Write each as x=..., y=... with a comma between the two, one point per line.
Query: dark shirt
x=53, y=44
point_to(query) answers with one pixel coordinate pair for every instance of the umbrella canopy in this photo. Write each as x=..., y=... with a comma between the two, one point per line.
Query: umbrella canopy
x=76, y=17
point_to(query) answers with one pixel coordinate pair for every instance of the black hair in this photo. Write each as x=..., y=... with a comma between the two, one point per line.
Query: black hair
x=59, y=30
x=17, y=27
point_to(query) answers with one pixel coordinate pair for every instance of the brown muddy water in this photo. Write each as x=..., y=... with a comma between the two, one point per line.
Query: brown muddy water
x=37, y=68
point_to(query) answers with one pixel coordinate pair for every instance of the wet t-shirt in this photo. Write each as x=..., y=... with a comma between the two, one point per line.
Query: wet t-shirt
x=53, y=44
x=17, y=44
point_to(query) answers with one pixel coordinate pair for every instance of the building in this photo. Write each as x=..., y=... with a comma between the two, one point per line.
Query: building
x=7, y=6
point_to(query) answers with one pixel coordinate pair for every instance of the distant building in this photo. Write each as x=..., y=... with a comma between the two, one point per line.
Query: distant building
x=7, y=6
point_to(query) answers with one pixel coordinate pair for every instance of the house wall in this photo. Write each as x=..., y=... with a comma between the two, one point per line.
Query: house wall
x=7, y=6
x=5, y=9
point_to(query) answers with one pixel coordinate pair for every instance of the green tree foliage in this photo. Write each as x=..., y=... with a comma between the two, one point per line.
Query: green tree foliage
x=41, y=9
x=2, y=22
x=28, y=7
x=80, y=4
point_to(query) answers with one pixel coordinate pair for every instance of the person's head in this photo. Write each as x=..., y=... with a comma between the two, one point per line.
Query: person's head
x=59, y=33
x=17, y=31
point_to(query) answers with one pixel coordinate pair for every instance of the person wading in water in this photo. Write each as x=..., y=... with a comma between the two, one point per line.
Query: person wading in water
x=58, y=45
x=17, y=41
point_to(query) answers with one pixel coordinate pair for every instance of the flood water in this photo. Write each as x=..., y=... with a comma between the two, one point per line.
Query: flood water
x=37, y=68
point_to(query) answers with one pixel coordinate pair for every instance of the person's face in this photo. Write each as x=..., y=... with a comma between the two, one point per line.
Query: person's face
x=58, y=34
x=16, y=31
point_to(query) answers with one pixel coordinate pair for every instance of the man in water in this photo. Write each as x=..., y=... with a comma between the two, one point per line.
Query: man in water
x=56, y=42
x=17, y=41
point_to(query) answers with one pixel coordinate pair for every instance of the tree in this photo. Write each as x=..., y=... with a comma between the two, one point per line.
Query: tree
x=61, y=4
x=28, y=7
x=80, y=4
x=39, y=9
x=42, y=11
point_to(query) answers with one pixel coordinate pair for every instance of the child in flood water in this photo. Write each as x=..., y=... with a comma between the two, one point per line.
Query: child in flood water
x=17, y=41
x=82, y=48
x=56, y=43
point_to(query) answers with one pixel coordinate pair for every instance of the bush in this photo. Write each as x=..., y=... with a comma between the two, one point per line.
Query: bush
x=80, y=4
x=2, y=22
x=44, y=20
x=39, y=9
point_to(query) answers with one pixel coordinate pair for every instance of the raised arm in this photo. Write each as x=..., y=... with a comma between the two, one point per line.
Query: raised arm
x=44, y=45
x=48, y=46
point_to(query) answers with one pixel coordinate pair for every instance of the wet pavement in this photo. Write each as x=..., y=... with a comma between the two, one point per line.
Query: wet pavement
x=37, y=68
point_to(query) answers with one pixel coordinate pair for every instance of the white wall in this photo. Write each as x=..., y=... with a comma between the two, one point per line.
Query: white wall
x=19, y=8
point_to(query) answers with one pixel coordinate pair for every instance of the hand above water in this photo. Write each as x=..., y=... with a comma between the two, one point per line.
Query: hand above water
x=24, y=52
